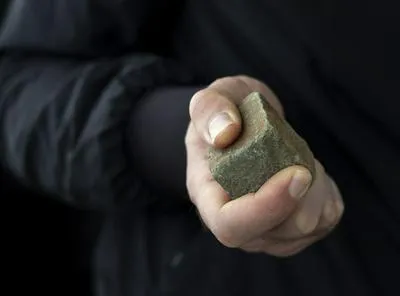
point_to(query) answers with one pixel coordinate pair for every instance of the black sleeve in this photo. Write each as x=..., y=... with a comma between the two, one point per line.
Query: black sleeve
x=66, y=95
x=156, y=138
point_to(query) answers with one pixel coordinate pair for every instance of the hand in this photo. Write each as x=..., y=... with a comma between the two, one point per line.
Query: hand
x=285, y=215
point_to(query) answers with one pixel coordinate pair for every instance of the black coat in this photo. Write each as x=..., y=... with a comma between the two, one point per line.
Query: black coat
x=93, y=109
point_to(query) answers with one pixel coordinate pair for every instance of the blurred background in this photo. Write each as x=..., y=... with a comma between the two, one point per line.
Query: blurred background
x=46, y=246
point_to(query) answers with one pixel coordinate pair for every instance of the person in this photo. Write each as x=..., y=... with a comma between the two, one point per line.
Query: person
x=112, y=105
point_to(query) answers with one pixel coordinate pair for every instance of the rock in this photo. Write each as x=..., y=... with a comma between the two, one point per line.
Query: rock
x=266, y=145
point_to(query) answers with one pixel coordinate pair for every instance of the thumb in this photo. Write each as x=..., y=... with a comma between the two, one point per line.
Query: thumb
x=239, y=221
x=215, y=117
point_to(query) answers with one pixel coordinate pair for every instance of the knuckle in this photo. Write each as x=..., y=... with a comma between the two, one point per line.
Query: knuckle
x=339, y=216
x=197, y=100
x=237, y=80
x=219, y=81
x=287, y=253
x=202, y=93
x=240, y=80
x=222, y=85
x=205, y=102
x=191, y=186
x=224, y=80
x=252, y=83
x=341, y=211
x=192, y=197
x=227, y=238
x=189, y=135
x=187, y=140
x=253, y=247
x=227, y=243
x=245, y=78
x=283, y=251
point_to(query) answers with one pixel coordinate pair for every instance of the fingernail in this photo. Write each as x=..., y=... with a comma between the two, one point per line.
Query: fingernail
x=299, y=184
x=218, y=124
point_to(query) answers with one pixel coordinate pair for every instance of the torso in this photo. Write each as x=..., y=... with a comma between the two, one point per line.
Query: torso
x=335, y=66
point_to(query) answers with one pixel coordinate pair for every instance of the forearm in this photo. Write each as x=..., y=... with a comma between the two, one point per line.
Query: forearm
x=157, y=129
x=63, y=124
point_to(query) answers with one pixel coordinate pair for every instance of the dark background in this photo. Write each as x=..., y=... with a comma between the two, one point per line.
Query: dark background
x=46, y=245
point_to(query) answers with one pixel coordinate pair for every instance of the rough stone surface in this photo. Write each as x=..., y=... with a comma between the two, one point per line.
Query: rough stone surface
x=266, y=145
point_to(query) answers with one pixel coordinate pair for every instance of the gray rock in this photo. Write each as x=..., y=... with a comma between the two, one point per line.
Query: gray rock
x=266, y=145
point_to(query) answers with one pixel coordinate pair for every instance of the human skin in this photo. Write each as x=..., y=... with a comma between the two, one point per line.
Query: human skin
x=287, y=214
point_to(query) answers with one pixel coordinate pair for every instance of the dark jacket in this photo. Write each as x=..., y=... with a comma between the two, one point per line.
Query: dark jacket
x=79, y=79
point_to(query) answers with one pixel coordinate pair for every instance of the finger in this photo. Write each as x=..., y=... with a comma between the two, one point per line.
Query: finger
x=338, y=199
x=333, y=209
x=307, y=217
x=238, y=221
x=215, y=117
x=238, y=87
x=233, y=87
x=281, y=248
x=214, y=113
x=199, y=181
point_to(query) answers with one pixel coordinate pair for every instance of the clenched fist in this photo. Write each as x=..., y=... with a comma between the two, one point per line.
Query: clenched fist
x=286, y=214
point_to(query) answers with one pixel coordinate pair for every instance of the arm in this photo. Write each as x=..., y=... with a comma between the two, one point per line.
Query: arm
x=64, y=111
